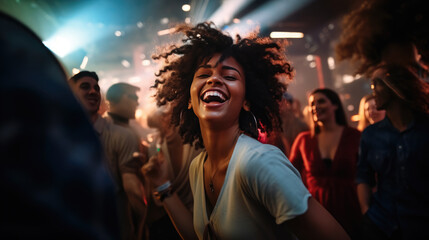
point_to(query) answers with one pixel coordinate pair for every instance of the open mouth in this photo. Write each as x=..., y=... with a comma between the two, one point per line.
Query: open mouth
x=92, y=100
x=213, y=96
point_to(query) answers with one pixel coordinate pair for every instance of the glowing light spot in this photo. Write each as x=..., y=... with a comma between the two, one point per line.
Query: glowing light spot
x=186, y=7
x=146, y=62
x=286, y=35
x=125, y=63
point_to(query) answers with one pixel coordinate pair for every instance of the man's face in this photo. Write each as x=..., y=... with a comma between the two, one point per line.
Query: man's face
x=87, y=91
x=127, y=106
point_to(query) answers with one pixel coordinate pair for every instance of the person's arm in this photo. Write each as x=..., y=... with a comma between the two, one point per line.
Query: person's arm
x=364, y=193
x=365, y=177
x=316, y=223
x=135, y=191
x=129, y=162
x=156, y=171
x=180, y=216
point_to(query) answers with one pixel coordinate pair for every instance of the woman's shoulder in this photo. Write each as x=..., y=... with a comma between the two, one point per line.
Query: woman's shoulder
x=254, y=153
x=303, y=135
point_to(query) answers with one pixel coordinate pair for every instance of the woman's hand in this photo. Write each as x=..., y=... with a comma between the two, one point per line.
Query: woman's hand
x=156, y=170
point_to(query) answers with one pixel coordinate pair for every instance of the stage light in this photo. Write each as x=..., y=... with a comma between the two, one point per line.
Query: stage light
x=348, y=78
x=166, y=31
x=286, y=35
x=266, y=15
x=331, y=63
x=186, y=7
x=84, y=62
x=146, y=62
x=164, y=20
x=61, y=46
x=125, y=63
x=227, y=10
x=77, y=31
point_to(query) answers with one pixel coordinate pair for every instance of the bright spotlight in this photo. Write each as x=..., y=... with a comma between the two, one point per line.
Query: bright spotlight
x=146, y=62
x=84, y=62
x=118, y=33
x=286, y=35
x=227, y=10
x=267, y=14
x=186, y=7
x=75, y=33
x=61, y=46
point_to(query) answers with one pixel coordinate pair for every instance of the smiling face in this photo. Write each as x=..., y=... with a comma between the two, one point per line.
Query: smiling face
x=87, y=91
x=322, y=109
x=218, y=91
x=371, y=113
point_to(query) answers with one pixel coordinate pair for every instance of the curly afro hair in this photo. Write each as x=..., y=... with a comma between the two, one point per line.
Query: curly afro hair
x=262, y=60
x=374, y=26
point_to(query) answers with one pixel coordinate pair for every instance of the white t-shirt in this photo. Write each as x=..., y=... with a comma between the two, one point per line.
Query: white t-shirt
x=261, y=189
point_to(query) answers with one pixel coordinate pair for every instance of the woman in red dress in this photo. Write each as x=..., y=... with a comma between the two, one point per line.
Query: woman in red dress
x=327, y=156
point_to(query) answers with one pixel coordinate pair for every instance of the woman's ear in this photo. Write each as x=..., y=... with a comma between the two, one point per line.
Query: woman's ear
x=189, y=105
x=246, y=105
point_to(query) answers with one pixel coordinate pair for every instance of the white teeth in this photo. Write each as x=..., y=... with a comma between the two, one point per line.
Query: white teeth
x=213, y=93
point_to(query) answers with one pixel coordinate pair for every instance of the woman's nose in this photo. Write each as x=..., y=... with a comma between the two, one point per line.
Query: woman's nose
x=214, y=79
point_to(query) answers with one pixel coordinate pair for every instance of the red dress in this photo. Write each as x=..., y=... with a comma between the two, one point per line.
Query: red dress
x=331, y=183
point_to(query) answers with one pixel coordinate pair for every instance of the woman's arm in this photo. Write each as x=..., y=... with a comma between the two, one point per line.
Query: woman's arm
x=180, y=216
x=156, y=170
x=316, y=223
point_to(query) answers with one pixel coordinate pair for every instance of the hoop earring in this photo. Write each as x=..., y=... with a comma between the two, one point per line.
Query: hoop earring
x=254, y=119
x=255, y=127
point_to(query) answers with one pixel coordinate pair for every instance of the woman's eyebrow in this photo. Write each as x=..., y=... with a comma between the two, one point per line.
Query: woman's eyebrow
x=204, y=66
x=231, y=68
x=223, y=67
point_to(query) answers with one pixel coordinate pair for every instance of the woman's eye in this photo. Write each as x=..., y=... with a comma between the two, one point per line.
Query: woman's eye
x=203, y=75
x=230, y=78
